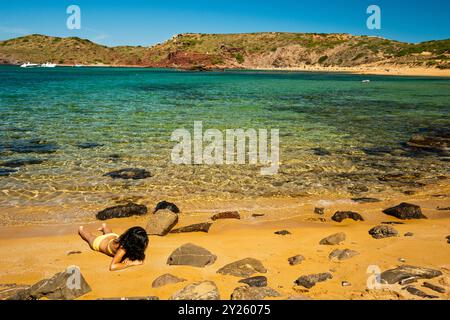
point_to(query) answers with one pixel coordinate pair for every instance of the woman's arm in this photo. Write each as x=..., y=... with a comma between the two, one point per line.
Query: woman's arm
x=116, y=263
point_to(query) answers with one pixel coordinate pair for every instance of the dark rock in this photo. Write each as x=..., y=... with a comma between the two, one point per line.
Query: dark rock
x=366, y=200
x=310, y=281
x=377, y=151
x=319, y=210
x=344, y=254
x=333, y=239
x=205, y=290
x=443, y=209
x=257, y=215
x=321, y=152
x=31, y=146
x=419, y=293
x=339, y=216
x=161, y=223
x=6, y=172
x=89, y=145
x=164, y=205
x=253, y=293
x=9, y=290
x=448, y=239
x=199, y=227
x=243, y=268
x=296, y=260
x=380, y=232
x=358, y=189
x=392, y=276
x=226, y=215
x=258, y=281
x=166, y=279
x=122, y=211
x=392, y=222
x=129, y=173
x=433, y=287
x=408, y=234
x=65, y=285
x=131, y=298
x=405, y=211
x=191, y=255
x=282, y=232
x=73, y=252
x=21, y=162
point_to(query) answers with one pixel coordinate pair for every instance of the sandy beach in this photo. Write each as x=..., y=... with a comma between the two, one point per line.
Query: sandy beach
x=31, y=253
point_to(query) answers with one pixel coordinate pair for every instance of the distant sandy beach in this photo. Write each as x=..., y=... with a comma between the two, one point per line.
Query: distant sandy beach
x=31, y=253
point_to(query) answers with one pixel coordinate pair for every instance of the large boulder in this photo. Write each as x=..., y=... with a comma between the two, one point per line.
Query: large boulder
x=191, y=255
x=129, y=173
x=258, y=281
x=253, y=293
x=334, y=239
x=243, y=268
x=166, y=279
x=161, y=222
x=342, y=215
x=383, y=231
x=398, y=274
x=165, y=205
x=226, y=215
x=66, y=285
x=122, y=211
x=310, y=281
x=198, y=227
x=9, y=290
x=344, y=254
x=405, y=211
x=205, y=290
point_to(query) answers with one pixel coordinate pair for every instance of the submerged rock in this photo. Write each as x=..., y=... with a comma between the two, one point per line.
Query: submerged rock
x=366, y=200
x=166, y=279
x=282, y=232
x=164, y=205
x=321, y=152
x=129, y=173
x=310, y=281
x=205, y=290
x=89, y=145
x=344, y=254
x=433, y=140
x=30, y=146
x=253, y=293
x=122, y=211
x=21, y=162
x=59, y=287
x=383, y=231
x=339, y=216
x=405, y=211
x=333, y=239
x=319, y=210
x=296, y=260
x=243, y=268
x=413, y=290
x=191, y=255
x=398, y=274
x=199, y=227
x=258, y=281
x=226, y=215
x=6, y=172
x=161, y=222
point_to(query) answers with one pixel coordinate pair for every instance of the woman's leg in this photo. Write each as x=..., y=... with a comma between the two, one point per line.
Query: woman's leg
x=86, y=236
x=105, y=229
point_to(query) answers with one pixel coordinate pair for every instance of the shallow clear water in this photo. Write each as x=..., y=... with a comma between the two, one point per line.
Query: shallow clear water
x=132, y=113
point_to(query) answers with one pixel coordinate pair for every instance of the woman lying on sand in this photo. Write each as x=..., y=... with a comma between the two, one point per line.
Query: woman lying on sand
x=126, y=250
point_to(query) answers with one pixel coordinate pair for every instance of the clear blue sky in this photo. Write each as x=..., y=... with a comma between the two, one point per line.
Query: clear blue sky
x=140, y=22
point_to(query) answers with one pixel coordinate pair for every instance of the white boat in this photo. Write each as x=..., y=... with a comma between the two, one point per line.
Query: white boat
x=365, y=81
x=29, y=65
x=78, y=65
x=48, y=65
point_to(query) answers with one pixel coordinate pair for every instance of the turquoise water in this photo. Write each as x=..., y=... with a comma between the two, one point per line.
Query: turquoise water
x=131, y=113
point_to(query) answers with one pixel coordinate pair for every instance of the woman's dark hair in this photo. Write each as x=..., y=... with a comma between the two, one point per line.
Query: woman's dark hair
x=134, y=241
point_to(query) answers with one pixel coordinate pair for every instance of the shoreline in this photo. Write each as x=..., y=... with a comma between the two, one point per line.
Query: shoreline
x=382, y=71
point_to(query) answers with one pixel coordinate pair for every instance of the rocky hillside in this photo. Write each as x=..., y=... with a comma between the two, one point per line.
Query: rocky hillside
x=255, y=50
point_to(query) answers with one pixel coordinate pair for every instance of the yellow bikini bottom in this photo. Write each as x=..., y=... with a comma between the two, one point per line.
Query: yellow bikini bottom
x=99, y=239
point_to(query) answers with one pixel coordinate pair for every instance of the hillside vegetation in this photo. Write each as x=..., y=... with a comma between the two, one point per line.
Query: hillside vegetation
x=255, y=50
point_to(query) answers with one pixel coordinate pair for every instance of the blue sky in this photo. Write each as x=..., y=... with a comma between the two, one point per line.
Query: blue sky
x=140, y=22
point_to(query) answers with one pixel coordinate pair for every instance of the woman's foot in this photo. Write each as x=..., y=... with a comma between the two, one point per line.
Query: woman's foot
x=102, y=228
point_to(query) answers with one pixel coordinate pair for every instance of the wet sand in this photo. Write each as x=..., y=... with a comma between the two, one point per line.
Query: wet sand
x=31, y=253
